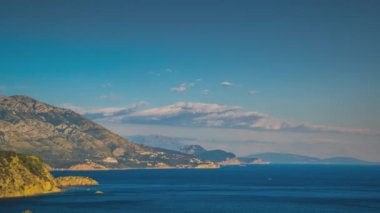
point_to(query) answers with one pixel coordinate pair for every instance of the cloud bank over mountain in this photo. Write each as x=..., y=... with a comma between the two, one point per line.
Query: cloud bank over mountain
x=190, y=114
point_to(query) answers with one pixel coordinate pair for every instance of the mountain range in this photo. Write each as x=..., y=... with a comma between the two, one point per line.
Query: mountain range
x=159, y=141
x=178, y=144
x=215, y=155
x=65, y=139
x=286, y=158
x=227, y=158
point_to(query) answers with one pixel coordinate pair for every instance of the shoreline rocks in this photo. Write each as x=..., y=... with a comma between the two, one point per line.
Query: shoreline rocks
x=70, y=181
x=24, y=175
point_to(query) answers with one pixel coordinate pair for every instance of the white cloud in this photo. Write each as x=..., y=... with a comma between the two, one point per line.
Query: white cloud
x=226, y=84
x=182, y=88
x=184, y=107
x=215, y=123
x=189, y=114
x=106, y=112
x=213, y=115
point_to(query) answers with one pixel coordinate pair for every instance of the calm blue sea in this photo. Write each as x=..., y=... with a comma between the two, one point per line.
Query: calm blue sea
x=264, y=188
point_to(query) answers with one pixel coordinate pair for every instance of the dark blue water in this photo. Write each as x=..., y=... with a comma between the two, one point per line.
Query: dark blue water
x=266, y=188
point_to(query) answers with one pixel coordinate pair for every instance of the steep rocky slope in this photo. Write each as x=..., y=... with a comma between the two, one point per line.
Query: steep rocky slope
x=63, y=138
x=24, y=175
x=27, y=175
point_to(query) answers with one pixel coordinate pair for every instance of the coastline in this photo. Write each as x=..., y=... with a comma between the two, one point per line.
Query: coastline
x=122, y=169
x=32, y=195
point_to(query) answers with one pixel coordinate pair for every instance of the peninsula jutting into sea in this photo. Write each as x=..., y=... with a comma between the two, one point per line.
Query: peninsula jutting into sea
x=25, y=175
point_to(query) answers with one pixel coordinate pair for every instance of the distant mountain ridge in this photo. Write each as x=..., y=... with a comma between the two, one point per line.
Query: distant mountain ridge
x=216, y=155
x=286, y=158
x=192, y=149
x=159, y=141
x=63, y=138
x=176, y=144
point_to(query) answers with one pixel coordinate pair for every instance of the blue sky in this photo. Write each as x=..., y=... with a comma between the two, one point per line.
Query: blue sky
x=314, y=62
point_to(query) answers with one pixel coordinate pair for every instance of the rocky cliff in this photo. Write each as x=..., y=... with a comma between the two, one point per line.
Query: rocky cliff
x=24, y=175
x=63, y=138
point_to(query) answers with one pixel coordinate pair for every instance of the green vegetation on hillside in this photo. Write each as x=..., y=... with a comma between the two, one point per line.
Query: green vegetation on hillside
x=27, y=175
x=75, y=181
x=24, y=175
